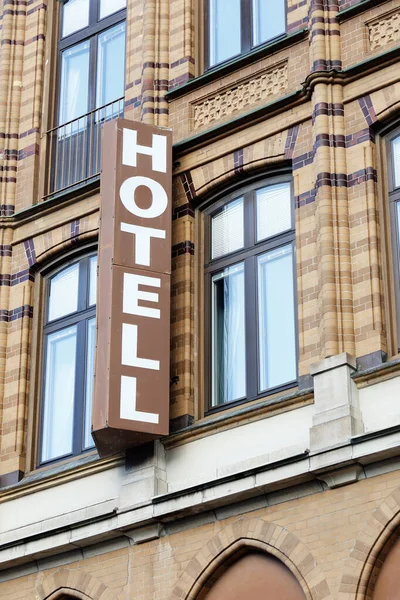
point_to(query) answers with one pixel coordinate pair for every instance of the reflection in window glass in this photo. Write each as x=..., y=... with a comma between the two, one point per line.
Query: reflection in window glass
x=276, y=333
x=273, y=210
x=58, y=410
x=227, y=229
x=74, y=82
x=225, y=30
x=93, y=281
x=228, y=332
x=64, y=293
x=90, y=353
x=108, y=7
x=75, y=16
x=396, y=159
x=111, y=65
x=269, y=20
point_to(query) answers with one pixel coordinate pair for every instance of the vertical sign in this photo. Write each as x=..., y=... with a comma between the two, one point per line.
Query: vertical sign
x=131, y=392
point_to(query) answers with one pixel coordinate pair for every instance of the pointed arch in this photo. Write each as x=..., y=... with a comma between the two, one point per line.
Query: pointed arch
x=370, y=550
x=71, y=584
x=243, y=536
x=254, y=575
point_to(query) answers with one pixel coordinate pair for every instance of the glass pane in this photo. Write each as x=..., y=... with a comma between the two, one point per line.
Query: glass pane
x=227, y=229
x=75, y=16
x=74, y=82
x=228, y=336
x=224, y=30
x=274, y=213
x=111, y=65
x=108, y=7
x=90, y=353
x=63, y=298
x=269, y=20
x=93, y=281
x=398, y=220
x=59, y=394
x=396, y=161
x=276, y=324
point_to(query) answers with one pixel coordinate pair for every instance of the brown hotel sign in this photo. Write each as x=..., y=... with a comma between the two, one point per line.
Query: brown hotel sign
x=131, y=398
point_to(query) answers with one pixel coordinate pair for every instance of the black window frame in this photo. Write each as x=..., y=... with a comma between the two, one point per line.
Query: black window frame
x=248, y=254
x=80, y=318
x=394, y=200
x=246, y=41
x=74, y=146
x=90, y=32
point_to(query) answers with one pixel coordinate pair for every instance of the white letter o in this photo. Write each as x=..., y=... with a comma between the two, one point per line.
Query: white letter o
x=159, y=197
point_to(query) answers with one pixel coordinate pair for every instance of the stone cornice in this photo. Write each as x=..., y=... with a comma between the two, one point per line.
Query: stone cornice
x=355, y=10
x=303, y=468
x=366, y=67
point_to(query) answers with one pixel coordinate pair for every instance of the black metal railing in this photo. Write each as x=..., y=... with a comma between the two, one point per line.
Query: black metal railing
x=74, y=148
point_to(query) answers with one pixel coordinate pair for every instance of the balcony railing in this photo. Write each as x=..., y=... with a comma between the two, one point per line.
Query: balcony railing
x=74, y=148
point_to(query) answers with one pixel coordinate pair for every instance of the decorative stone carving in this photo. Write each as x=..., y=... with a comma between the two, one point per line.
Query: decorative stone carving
x=244, y=95
x=384, y=31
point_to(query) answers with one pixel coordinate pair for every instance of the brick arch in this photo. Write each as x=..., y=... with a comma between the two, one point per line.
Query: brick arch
x=246, y=535
x=218, y=173
x=72, y=584
x=385, y=104
x=370, y=550
x=48, y=245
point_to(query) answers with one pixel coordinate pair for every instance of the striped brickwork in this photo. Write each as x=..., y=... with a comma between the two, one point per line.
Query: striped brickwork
x=305, y=104
x=326, y=134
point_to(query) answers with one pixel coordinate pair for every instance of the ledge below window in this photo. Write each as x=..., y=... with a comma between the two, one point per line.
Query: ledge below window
x=255, y=55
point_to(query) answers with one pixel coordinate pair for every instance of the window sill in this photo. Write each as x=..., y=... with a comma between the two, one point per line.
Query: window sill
x=215, y=73
x=273, y=392
x=233, y=417
x=53, y=202
x=67, y=470
x=384, y=371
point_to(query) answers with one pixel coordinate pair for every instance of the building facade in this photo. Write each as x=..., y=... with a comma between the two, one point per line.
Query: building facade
x=280, y=477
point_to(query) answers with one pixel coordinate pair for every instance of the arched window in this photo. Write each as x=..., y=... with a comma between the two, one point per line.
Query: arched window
x=69, y=337
x=250, y=293
x=393, y=162
x=257, y=576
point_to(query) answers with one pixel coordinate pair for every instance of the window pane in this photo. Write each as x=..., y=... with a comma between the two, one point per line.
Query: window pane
x=396, y=160
x=59, y=394
x=273, y=210
x=74, y=82
x=108, y=7
x=228, y=333
x=111, y=65
x=64, y=293
x=90, y=352
x=269, y=20
x=227, y=229
x=93, y=281
x=277, y=344
x=75, y=16
x=224, y=30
